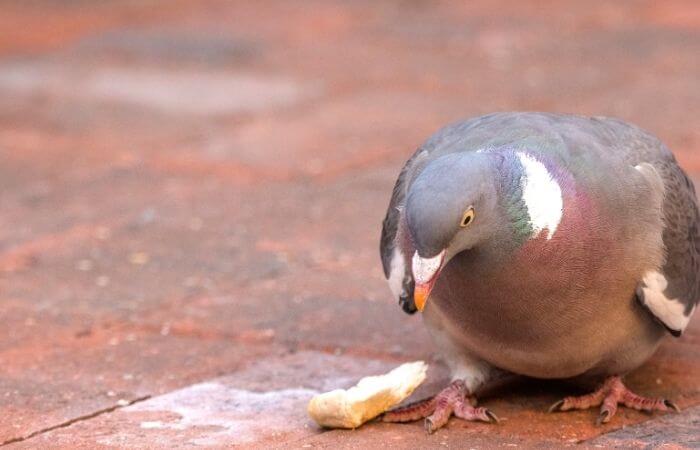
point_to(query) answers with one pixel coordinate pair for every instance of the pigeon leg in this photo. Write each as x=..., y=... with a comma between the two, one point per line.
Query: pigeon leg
x=437, y=410
x=612, y=393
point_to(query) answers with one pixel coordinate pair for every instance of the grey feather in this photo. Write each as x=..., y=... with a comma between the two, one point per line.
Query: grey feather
x=681, y=233
x=388, y=241
x=651, y=212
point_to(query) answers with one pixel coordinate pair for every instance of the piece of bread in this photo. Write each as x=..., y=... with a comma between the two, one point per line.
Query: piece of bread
x=368, y=399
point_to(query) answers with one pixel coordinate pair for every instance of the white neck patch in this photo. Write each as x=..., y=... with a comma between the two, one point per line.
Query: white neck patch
x=542, y=196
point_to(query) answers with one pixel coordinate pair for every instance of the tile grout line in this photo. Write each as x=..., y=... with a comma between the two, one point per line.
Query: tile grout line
x=73, y=421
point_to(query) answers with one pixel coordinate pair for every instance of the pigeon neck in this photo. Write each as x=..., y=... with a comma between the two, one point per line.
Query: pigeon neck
x=512, y=200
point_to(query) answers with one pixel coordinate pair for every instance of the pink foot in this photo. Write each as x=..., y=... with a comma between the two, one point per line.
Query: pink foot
x=608, y=396
x=437, y=410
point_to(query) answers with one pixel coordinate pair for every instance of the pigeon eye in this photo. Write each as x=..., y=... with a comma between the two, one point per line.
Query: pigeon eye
x=467, y=218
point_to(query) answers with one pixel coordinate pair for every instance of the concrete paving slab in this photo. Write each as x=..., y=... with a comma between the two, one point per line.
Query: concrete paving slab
x=263, y=404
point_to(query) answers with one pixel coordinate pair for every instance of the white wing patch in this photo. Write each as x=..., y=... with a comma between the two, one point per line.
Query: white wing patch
x=542, y=196
x=397, y=273
x=668, y=310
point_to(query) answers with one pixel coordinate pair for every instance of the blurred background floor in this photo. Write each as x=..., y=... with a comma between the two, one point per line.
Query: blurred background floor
x=192, y=194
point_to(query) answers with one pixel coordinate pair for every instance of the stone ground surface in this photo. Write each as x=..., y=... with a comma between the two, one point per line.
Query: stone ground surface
x=192, y=193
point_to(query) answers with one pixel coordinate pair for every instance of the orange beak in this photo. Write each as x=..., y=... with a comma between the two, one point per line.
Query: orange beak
x=425, y=274
x=421, y=293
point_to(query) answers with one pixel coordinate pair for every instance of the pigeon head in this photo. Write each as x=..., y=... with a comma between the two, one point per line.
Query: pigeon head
x=450, y=208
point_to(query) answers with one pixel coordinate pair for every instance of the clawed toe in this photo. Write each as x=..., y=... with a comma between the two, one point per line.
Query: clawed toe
x=410, y=413
x=437, y=410
x=556, y=406
x=492, y=418
x=603, y=417
x=464, y=411
x=671, y=405
x=430, y=427
x=468, y=412
x=608, y=397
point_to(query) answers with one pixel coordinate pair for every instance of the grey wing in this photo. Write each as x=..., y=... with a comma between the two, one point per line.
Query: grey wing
x=672, y=294
x=395, y=261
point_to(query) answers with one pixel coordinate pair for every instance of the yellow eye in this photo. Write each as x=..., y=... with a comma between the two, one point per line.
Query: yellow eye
x=467, y=218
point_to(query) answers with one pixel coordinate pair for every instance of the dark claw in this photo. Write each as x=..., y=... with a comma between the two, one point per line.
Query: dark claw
x=429, y=426
x=492, y=417
x=604, y=417
x=555, y=407
x=673, y=406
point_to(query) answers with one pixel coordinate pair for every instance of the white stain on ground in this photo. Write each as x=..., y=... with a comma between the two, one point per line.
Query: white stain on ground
x=228, y=414
x=542, y=196
x=261, y=404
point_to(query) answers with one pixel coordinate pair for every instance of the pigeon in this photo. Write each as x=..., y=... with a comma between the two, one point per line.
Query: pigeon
x=545, y=245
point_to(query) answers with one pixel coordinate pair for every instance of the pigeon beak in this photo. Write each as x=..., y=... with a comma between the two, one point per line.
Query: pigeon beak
x=421, y=293
x=425, y=274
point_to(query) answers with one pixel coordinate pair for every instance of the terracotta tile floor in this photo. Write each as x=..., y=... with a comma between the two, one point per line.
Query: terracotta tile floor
x=192, y=193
